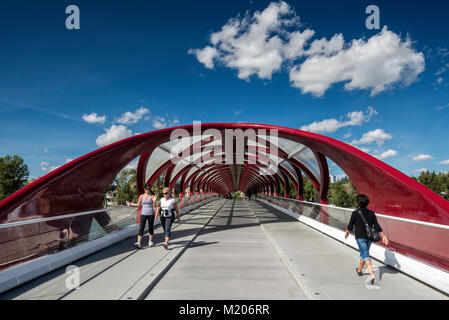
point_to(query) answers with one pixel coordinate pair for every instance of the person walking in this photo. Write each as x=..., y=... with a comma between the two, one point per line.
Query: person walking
x=249, y=194
x=147, y=201
x=255, y=194
x=166, y=208
x=361, y=236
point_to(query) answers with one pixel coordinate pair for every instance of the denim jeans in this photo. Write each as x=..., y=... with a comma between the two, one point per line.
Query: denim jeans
x=166, y=225
x=364, y=245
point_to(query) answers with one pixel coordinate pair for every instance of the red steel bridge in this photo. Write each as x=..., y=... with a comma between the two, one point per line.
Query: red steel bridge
x=203, y=163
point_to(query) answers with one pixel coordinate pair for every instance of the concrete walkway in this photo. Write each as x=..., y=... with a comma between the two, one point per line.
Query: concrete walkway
x=120, y=271
x=230, y=259
x=228, y=250
x=256, y=252
x=325, y=268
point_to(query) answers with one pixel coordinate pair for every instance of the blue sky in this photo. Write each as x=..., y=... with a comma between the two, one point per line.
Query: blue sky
x=137, y=64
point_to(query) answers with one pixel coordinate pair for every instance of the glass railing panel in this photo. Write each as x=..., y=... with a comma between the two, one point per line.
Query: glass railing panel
x=28, y=239
x=332, y=216
x=424, y=241
x=24, y=240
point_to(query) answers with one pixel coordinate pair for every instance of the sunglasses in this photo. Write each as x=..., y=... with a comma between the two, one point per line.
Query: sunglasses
x=165, y=193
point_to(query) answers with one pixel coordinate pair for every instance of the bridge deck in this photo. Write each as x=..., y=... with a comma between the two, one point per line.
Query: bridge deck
x=228, y=250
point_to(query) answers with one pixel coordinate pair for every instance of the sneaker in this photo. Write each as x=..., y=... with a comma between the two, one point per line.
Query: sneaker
x=137, y=245
x=165, y=246
x=150, y=244
x=359, y=273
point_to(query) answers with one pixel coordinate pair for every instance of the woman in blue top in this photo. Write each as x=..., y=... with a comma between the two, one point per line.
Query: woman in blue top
x=361, y=237
x=146, y=200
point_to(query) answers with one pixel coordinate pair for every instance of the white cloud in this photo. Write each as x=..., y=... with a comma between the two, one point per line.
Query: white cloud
x=387, y=154
x=439, y=108
x=326, y=47
x=442, y=70
x=366, y=150
x=375, y=64
x=113, y=134
x=328, y=125
x=206, y=56
x=444, y=162
x=257, y=44
x=355, y=118
x=130, y=118
x=94, y=118
x=161, y=122
x=379, y=136
x=348, y=134
x=45, y=150
x=44, y=166
x=440, y=80
x=422, y=157
x=264, y=42
x=237, y=112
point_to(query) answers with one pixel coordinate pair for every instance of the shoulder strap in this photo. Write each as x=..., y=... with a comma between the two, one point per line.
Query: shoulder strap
x=363, y=218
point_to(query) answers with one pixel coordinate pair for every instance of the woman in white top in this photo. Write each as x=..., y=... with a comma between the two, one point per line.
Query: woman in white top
x=146, y=200
x=167, y=207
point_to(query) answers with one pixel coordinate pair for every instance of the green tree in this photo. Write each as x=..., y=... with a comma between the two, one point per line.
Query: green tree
x=353, y=193
x=125, y=185
x=13, y=175
x=292, y=192
x=237, y=195
x=309, y=192
x=343, y=194
x=158, y=185
x=439, y=183
x=338, y=195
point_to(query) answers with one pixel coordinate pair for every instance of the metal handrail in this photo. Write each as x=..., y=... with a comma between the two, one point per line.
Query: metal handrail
x=72, y=215
x=428, y=224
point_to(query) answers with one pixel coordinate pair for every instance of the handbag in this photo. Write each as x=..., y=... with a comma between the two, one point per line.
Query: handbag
x=371, y=232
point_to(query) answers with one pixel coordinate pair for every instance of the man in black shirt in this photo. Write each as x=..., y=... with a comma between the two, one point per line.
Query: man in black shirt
x=361, y=237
